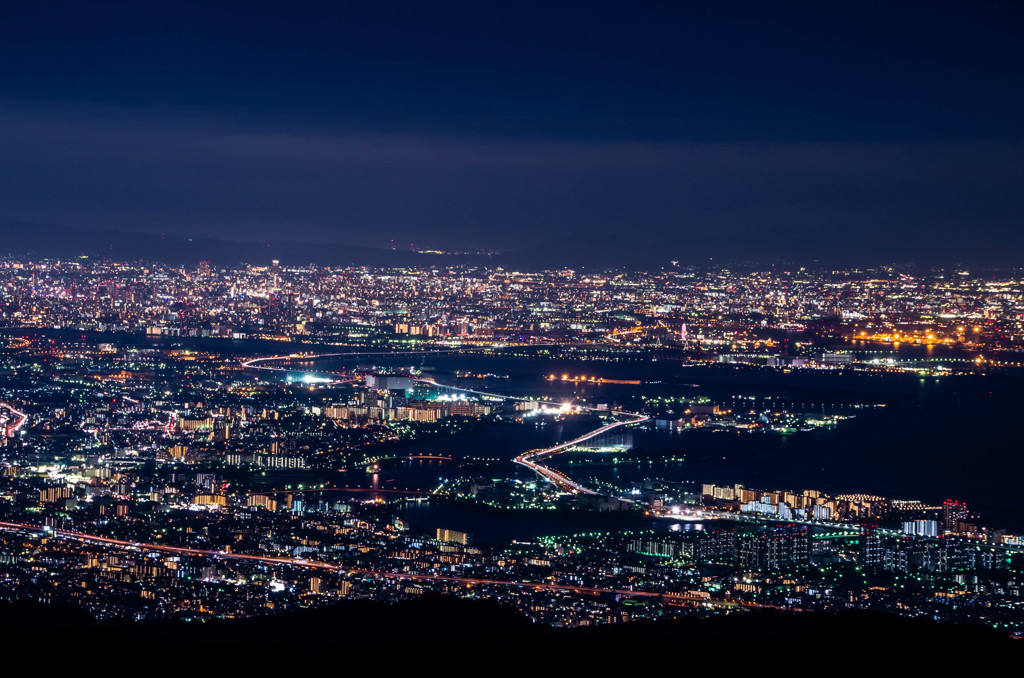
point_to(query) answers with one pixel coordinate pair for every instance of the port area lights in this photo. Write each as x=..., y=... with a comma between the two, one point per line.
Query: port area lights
x=564, y=408
x=310, y=379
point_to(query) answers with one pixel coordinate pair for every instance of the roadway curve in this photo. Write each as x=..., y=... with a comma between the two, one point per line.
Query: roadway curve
x=529, y=459
x=22, y=417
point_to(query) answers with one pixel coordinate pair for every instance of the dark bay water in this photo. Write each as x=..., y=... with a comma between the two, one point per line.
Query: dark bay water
x=492, y=525
x=935, y=438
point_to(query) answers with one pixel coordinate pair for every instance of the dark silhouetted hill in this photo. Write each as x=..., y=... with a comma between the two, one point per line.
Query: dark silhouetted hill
x=438, y=631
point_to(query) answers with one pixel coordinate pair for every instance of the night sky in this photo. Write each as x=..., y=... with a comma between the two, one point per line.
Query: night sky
x=885, y=131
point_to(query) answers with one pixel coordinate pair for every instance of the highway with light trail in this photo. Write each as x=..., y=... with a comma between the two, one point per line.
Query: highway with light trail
x=528, y=459
x=670, y=597
x=22, y=418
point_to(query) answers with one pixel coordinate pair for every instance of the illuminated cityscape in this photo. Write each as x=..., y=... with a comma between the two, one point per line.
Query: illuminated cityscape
x=205, y=442
x=504, y=336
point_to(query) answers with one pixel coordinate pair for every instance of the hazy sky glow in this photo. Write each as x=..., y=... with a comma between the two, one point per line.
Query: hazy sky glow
x=803, y=126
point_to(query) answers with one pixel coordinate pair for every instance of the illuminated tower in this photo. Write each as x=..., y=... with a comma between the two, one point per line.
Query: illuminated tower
x=872, y=550
x=953, y=511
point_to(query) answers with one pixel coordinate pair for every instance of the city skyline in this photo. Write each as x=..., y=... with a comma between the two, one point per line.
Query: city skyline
x=465, y=331
x=587, y=449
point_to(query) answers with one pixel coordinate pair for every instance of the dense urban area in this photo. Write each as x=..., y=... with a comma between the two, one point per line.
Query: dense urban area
x=210, y=442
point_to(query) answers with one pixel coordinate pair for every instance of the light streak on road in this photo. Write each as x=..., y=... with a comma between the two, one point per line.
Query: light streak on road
x=367, y=490
x=23, y=418
x=171, y=423
x=668, y=597
x=528, y=459
x=254, y=363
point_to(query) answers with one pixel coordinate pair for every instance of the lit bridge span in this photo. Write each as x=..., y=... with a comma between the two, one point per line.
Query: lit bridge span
x=364, y=490
x=432, y=457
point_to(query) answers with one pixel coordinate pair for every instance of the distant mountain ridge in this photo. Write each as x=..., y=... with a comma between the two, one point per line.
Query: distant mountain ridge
x=51, y=241
x=581, y=249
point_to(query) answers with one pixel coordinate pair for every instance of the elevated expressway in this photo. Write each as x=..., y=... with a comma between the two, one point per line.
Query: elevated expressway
x=531, y=459
x=669, y=597
x=11, y=429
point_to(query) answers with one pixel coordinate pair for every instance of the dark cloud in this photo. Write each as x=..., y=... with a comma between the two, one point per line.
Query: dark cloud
x=738, y=127
x=201, y=175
